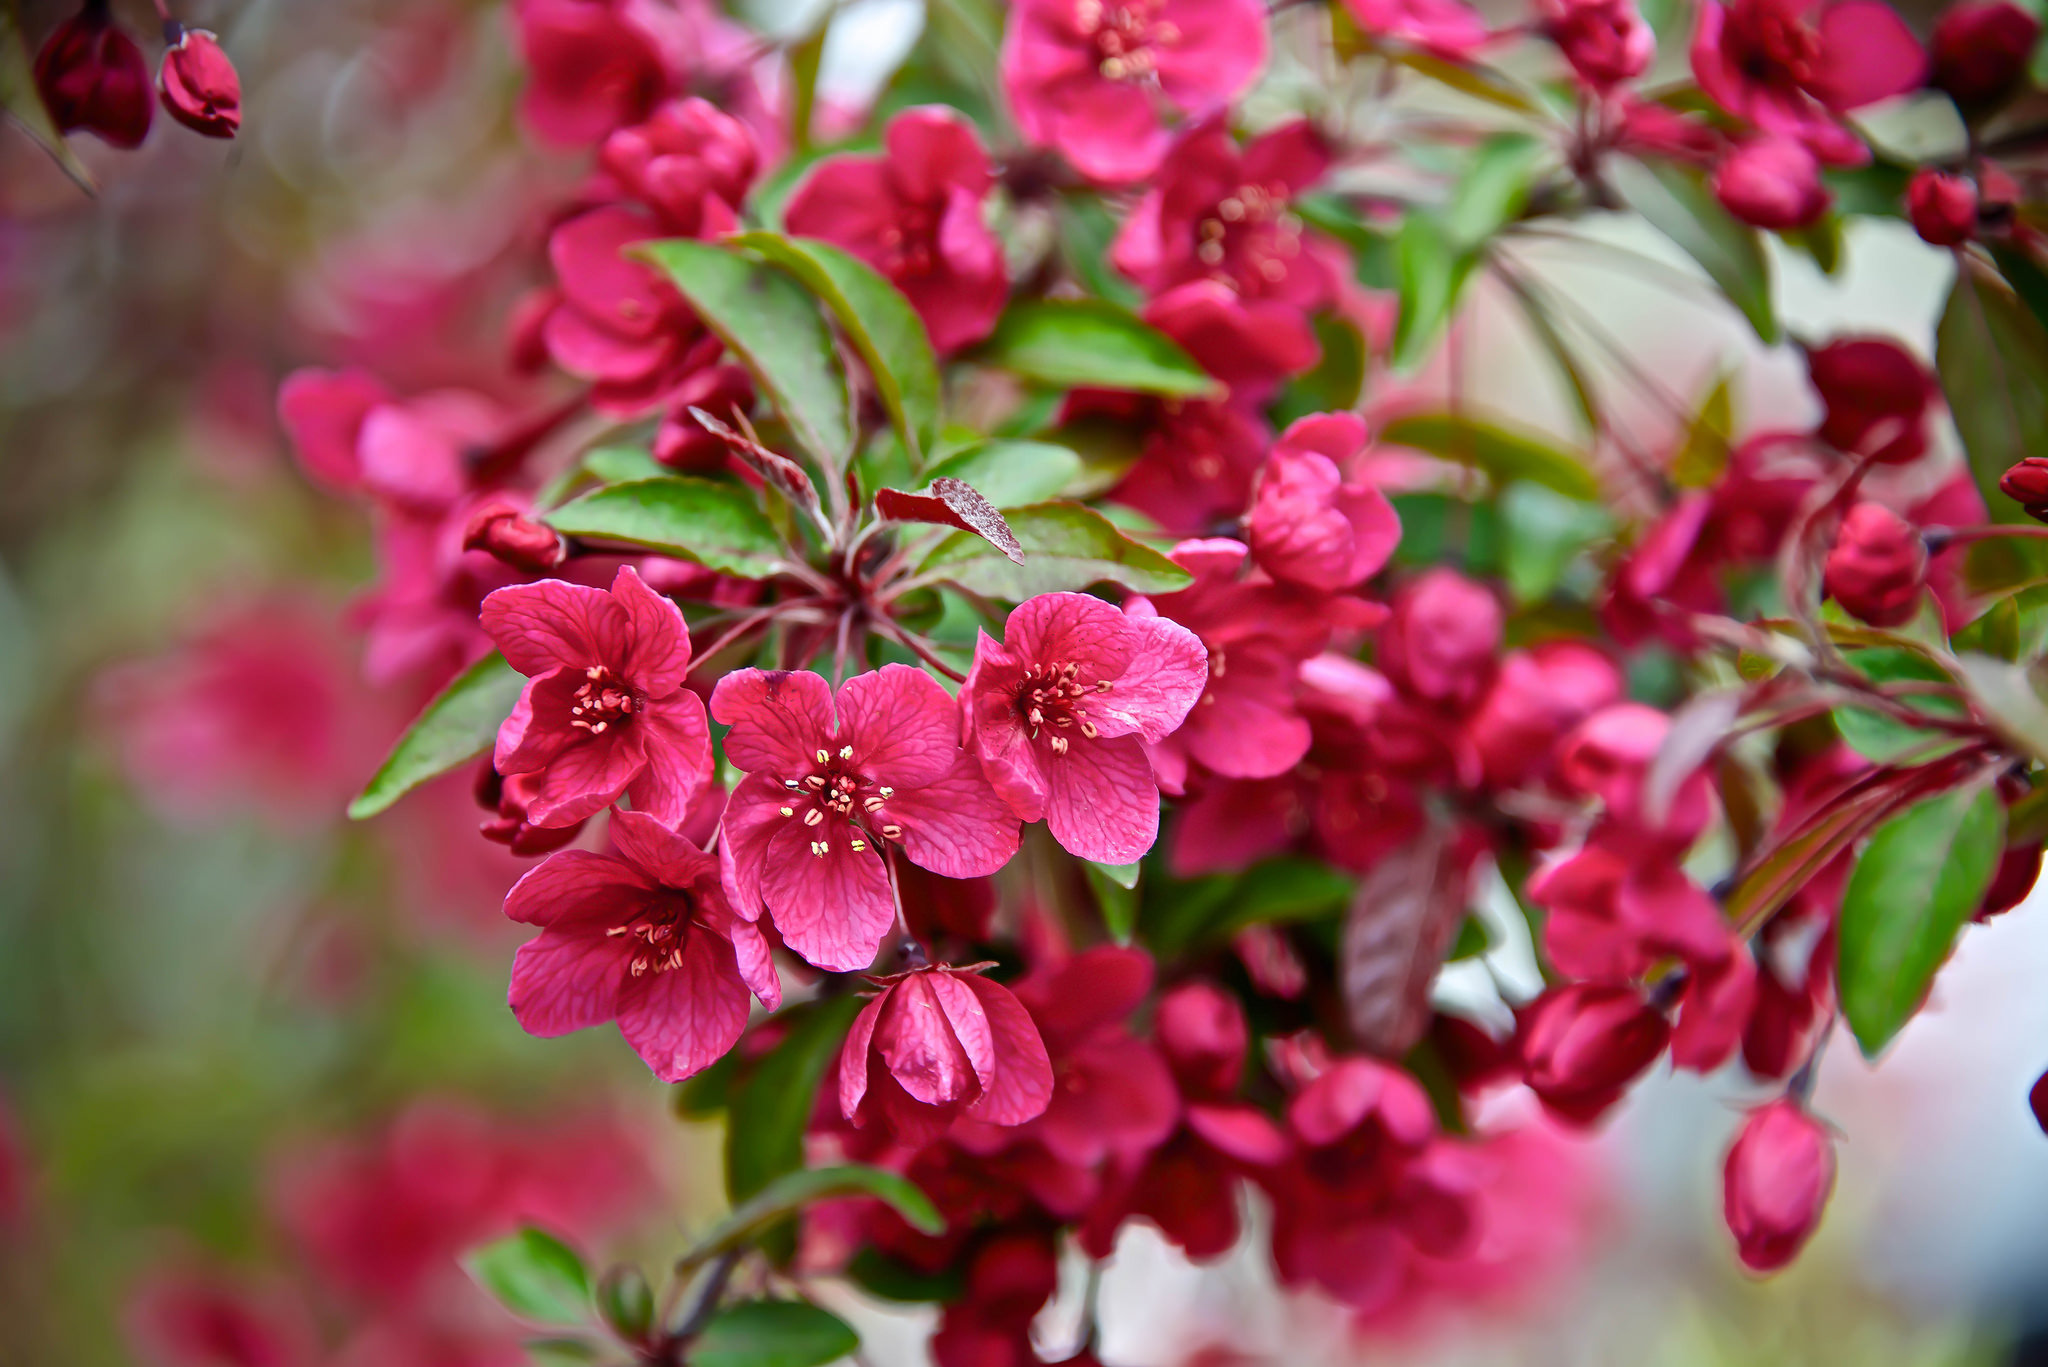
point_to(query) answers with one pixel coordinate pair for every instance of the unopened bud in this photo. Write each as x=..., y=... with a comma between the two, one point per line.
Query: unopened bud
x=1771, y=183
x=92, y=76
x=1583, y=1045
x=1979, y=53
x=2027, y=485
x=1776, y=1183
x=503, y=531
x=1877, y=566
x=198, y=83
x=1943, y=207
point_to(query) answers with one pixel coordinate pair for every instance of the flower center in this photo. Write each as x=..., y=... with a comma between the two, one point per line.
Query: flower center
x=910, y=243
x=601, y=702
x=658, y=933
x=1050, y=697
x=1127, y=37
x=837, y=793
x=1254, y=232
x=1773, y=45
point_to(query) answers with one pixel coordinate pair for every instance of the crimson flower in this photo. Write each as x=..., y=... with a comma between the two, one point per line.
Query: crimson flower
x=1583, y=1044
x=1088, y=77
x=690, y=162
x=1791, y=66
x=1606, y=41
x=92, y=75
x=619, y=324
x=1772, y=183
x=1776, y=1182
x=1438, y=643
x=1448, y=28
x=914, y=213
x=940, y=1043
x=1941, y=207
x=593, y=66
x=1307, y=525
x=605, y=712
x=1061, y=709
x=1249, y=344
x=198, y=83
x=643, y=937
x=1878, y=397
x=805, y=830
x=1979, y=51
x=1219, y=212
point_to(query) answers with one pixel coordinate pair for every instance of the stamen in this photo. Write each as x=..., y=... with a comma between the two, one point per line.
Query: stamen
x=813, y=817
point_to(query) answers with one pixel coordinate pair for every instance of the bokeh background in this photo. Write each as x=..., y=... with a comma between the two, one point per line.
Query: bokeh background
x=252, y=1055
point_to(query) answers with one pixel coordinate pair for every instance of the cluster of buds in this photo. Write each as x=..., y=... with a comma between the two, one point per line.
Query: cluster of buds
x=93, y=76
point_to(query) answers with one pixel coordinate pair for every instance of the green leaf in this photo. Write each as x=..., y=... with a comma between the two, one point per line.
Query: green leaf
x=1480, y=82
x=2026, y=277
x=1992, y=355
x=1091, y=343
x=623, y=464
x=1115, y=888
x=1066, y=546
x=880, y=323
x=1542, y=533
x=770, y=1107
x=1336, y=383
x=883, y=1277
x=1494, y=189
x=1501, y=452
x=1429, y=274
x=792, y=1191
x=1883, y=738
x=1087, y=232
x=1678, y=202
x=534, y=1275
x=21, y=102
x=562, y=1352
x=1012, y=472
x=719, y=526
x=1915, y=886
x=1123, y=875
x=1702, y=454
x=773, y=326
x=458, y=725
x=772, y=1334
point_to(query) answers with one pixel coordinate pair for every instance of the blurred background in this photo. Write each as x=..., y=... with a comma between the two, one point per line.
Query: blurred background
x=258, y=1085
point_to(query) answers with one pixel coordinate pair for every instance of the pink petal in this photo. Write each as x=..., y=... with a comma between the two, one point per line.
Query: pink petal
x=586, y=778
x=684, y=1020
x=1088, y=993
x=919, y=1039
x=957, y=826
x=576, y=888
x=995, y=733
x=1116, y=1097
x=1069, y=628
x=1715, y=1011
x=676, y=741
x=1867, y=54
x=583, y=347
x=553, y=624
x=1109, y=131
x=756, y=962
x=848, y=200
x=535, y=733
x=780, y=719
x=623, y=295
x=832, y=908
x=657, y=654
x=1242, y=1132
x=1222, y=46
x=407, y=460
x=323, y=411
x=853, y=1058
x=1251, y=730
x=933, y=149
x=1102, y=803
x=1167, y=671
x=1023, y=1074
x=566, y=982
x=657, y=850
x=903, y=726
x=1295, y=155
x=753, y=817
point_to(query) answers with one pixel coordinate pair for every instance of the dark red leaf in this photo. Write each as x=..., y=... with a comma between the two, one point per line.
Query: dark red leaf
x=1399, y=930
x=779, y=470
x=952, y=503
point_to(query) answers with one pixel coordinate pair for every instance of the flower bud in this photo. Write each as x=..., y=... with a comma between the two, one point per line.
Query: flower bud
x=1771, y=183
x=1606, y=41
x=1439, y=643
x=1877, y=396
x=1980, y=51
x=627, y=1302
x=2027, y=485
x=1776, y=1183
x=198, y=83
x=1583, y=1045
x=690, y=162
x=2037, y=1100
x=683, y=443
x=1877, y=566
x=92, y=76
x=500, y=529
x=1943, y=207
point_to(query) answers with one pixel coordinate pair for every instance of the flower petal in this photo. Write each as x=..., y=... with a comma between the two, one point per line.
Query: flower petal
x=657, y=655
x=577, y=888
x=834, y=907
x=1167, y=670
x=853, y=1059
x=779, y=719
x=1102, y=803
x=1023, y=1074
x=676, y=739
x=553, y=625
x=684, y=1020
x=564, y=982
x=958, y=826
x=903, y=726
x=935, y=1038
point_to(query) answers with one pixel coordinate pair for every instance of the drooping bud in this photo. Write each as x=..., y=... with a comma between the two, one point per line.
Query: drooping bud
x=1606, y=41
x=500, y=529
x=1771, y=183
x=1776, y=1183
x=1877, y=566
x=1583, y=1045
x=2037, y=1100
x=198, y=83
x=2027, y=485
x=1943, y=207
x=92, y=76
x=1980, y=52
x=1877, y=395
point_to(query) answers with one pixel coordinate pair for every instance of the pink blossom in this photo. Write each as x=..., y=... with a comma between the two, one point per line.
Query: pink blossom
x=1776, y=1182
x=643, y=937
x=1942, y=207
x=915, y=213
x=1090, y=77
x=1878, y=396
x=593, y=65
x=1249, y=344
x=202, y=1317
x=1307, y=525
x=1790, y=66
x=938, y=1044
x=1582, y=1045
x=1196, y=459
x=1538, y=695
x=1060, y=710
x=606, y=712
x=352, y=435
x=1606, y=41
x=1877, y=566
x=1221, y=213
x=1446, y=28
x=1439, y=643
x=197, y=83
x=806, y=830
x=619, y=324
x=1773, y=183
x=690, y=162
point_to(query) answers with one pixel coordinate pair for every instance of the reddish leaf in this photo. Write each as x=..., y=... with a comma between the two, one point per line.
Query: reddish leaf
x=1396, y=936
x=779, y=470
x=952, y=503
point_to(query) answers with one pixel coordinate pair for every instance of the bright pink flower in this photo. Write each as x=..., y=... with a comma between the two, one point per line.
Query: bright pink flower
x=1439, y=644
x=1447, y=28
x=806, y=831
x=1196, y=459
x=1877, y=566
x=643, y=937
x=1790, y=66
x=1617, y=906
x=1307, y=525
x=92, y=75
x=1089, y=77
x=1942, y=207
x=1606, y=41
x=1060, y=710
x=1878, y=395
x=914, y=213
x=1979, y=51
x=1249, y=344
x=1538, y=695
x=620, y=324
x=606, y=712
x=189, y=1317
x=323, y=412
x=1221, y=213
x=1582, y=1045
x=1608, y=755
x=1779, y=1173
x=198, y=84
x=411, y=455
x=690, y=162
x=1771, y=183
x=593, y=66
x=938, y=1044
x=1256, y=634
